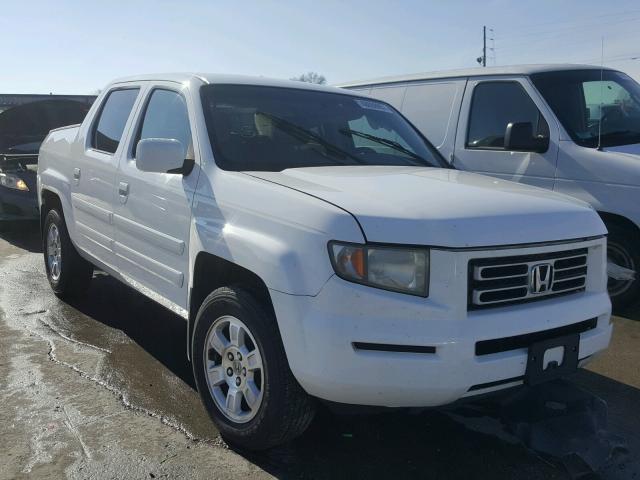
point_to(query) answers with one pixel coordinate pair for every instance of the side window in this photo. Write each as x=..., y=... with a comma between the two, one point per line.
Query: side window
x=493, y=107
x=166, y=117
x=107, y=132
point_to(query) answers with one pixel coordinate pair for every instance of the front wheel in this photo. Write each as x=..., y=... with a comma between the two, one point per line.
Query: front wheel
x=68, y=273
x=242, y=373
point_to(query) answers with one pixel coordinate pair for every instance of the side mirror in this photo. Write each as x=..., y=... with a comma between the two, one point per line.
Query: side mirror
x=161, y=155
x=519, y=137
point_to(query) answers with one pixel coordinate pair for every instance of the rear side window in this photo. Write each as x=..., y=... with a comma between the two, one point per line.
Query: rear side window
x=166, y=116
x=493, y=107
x=115, y=111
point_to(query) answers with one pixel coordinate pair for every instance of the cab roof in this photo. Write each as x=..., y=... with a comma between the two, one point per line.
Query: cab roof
x=474, y=72
x=216, y=78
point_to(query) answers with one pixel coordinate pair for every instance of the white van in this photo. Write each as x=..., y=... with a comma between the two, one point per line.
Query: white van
x=574, y=129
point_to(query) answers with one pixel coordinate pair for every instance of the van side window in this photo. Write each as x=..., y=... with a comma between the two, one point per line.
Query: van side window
x=166, y=116
x=116, y=109
x=496, y=104
x=429, y=107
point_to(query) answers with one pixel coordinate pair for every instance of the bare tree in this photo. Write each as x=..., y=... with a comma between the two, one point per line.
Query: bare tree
x=311, y=77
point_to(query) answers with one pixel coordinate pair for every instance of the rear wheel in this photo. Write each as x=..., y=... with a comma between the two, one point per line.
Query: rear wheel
x=242, y=373
x=68, y=273
x=623, y=257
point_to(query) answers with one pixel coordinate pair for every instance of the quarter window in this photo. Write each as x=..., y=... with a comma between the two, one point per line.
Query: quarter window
x=493, y=107
x=166, y=116
x=115, y=111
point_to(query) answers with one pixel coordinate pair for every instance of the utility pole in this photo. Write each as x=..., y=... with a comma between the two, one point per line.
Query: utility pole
x=482, y=60
x=484, y=46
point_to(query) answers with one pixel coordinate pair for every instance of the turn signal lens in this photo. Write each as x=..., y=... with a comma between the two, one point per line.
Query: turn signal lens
x=20, y=185
x=349, y=261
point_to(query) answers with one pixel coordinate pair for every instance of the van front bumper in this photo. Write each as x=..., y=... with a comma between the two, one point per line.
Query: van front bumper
x=321, y=335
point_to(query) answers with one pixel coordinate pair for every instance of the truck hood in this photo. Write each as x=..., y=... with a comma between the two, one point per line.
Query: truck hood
x=441, y=207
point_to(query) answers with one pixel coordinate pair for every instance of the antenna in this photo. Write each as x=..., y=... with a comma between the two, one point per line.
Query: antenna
x=599, y=147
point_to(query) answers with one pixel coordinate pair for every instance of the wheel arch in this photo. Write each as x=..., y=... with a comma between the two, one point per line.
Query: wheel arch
x=211, y=272
x=49, y=199
x=621, y=221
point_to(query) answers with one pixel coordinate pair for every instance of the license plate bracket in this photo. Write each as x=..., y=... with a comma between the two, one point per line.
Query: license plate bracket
x=536, y=372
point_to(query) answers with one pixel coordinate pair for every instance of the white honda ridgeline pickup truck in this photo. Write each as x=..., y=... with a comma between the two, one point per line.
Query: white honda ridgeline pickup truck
x=319, y=248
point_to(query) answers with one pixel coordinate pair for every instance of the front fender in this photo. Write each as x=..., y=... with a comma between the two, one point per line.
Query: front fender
x=277, y=233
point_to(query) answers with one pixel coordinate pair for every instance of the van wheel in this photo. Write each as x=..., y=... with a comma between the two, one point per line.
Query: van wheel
x=242, y=373
x=68, y=273
x=623, y=250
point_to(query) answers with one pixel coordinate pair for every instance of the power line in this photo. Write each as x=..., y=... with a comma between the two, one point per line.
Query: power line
x=569, y=29
x=527, y=27
x=517, y=47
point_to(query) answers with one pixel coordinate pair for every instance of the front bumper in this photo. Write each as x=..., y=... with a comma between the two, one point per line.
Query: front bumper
x=319, y=335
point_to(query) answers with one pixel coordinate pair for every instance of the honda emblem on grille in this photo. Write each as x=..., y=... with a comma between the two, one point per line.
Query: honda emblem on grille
x=541, y=278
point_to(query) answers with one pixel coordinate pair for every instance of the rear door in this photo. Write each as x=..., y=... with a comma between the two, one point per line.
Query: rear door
x=153, y=212
x=488, y=106
x=94, y=173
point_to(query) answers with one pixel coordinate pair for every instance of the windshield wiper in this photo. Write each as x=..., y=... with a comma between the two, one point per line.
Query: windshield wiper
x=385, y=141
x=296, y=131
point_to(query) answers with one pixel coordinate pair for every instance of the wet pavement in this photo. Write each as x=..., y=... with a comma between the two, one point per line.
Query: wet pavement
x=102, y=388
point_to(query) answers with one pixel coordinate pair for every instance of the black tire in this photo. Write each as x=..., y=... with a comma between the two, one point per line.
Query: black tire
x=75, y=273
x=285, y=410
x=623, y=247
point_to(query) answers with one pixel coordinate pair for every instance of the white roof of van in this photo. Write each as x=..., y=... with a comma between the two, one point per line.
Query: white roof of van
x=213, y=78
x=473, y=72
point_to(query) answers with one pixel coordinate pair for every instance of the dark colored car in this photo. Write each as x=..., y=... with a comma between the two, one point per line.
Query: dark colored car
x=23, y=127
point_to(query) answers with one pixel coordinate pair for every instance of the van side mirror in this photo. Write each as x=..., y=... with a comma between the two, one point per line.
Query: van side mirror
x=519, y=137
x=161, y=155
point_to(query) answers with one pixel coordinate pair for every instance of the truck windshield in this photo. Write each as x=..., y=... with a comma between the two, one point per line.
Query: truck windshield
x=586, y=104
x=264, y=128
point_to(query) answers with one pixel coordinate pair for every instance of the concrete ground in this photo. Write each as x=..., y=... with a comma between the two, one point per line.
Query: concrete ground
x=102, y=389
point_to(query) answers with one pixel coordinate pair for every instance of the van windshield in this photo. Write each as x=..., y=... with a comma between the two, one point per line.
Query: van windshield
x=260, y=128
x=586, y=104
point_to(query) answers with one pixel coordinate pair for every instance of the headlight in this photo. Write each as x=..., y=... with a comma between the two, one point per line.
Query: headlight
x=12, y=181
x=400, y=269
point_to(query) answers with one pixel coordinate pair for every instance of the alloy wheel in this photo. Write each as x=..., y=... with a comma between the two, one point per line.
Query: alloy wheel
x=54, y=252
x=233, y=369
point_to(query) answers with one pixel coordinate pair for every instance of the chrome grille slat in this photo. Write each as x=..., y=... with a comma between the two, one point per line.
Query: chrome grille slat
x=498, y=280
x=573, y=266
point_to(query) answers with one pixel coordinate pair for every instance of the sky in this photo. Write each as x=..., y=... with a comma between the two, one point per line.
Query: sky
x=77, y=47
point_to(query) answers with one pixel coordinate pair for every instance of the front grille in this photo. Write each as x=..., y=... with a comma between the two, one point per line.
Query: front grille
x=507, y=280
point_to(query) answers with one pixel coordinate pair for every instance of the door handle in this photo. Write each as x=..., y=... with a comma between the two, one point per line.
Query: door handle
x=123, y=189
x=76, y=175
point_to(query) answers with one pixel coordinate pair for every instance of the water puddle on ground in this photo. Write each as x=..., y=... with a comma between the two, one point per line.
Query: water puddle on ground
x=114, y=337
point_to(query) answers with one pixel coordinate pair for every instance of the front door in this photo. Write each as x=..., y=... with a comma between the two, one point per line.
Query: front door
x=153, y=212
x=489, y=105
